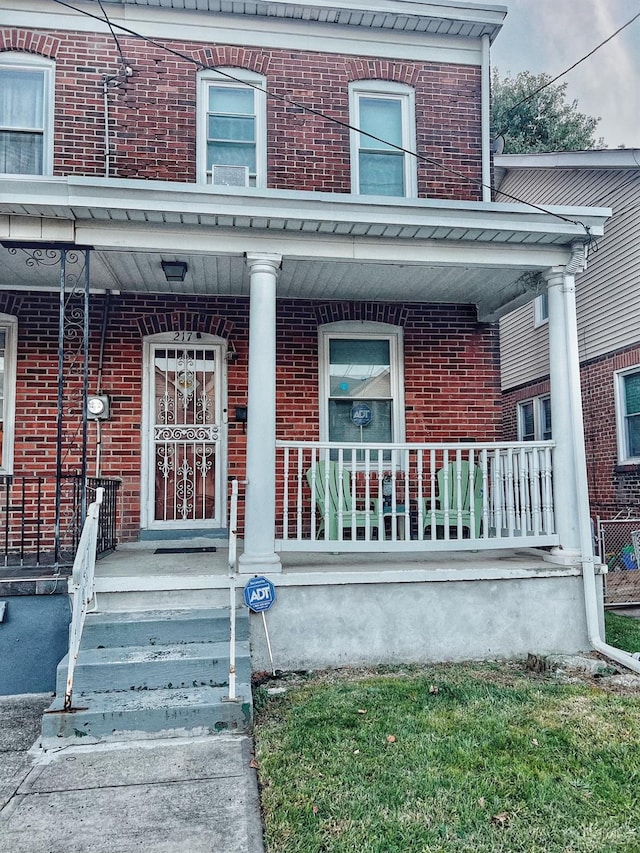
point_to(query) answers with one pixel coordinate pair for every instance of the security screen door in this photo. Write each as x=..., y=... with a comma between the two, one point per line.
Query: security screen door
x=185, y=452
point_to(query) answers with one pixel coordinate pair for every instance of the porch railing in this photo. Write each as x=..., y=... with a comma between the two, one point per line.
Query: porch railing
x=27, y=517
x=82, y=588
x=414, y=497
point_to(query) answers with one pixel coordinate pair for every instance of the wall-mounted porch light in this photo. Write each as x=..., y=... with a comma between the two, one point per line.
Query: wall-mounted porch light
x=174, y=270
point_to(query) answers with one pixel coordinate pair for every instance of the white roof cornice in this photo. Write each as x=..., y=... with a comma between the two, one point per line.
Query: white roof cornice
x=604, y=158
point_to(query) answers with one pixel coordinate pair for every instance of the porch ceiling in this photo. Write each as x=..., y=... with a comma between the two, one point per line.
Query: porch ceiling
x=334, y=246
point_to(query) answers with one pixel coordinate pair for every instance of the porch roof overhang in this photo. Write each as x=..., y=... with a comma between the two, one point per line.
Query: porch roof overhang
x=334, y=246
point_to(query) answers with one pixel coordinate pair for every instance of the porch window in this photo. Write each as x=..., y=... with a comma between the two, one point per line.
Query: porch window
x=26, y=114
x=361, y=386
x=387, y=112
x=8, y=337
x=232, y=129
x=534, y=419
x=627, y=387
x=541, y=310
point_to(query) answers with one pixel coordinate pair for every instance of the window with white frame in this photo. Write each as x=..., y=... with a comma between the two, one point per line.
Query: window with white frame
x=232, y=136
x=534, y=419
x=8, y=345
x=541, y=310
x=26, y=114
x=361, y=386
x=386, y=111
x=627, y=389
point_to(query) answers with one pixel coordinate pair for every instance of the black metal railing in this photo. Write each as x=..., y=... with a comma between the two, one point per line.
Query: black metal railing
x=27, y=517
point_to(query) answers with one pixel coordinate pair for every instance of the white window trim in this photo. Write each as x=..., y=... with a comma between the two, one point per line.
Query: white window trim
x=354, y=329
x=10, y=326
x=241, y=75
x=406, y=95
x=621, y=433
x=539, y=316
x=538, y=416
x=30, y=62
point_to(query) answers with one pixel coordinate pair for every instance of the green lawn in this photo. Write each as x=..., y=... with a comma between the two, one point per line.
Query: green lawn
x=622, y=632
x=477, y=757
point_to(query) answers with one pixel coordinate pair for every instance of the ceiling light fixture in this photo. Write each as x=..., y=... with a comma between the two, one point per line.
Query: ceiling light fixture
x=174, y=270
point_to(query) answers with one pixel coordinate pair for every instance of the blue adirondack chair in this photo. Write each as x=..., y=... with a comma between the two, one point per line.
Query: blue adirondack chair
x=327, y=475
x=454, y=499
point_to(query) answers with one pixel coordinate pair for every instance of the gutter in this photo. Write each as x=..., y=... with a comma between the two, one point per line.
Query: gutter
x=577, y=263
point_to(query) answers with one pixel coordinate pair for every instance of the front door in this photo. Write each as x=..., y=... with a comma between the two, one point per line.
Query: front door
x=185, y=435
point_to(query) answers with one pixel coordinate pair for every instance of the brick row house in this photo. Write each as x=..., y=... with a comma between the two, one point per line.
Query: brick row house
x=279, y=219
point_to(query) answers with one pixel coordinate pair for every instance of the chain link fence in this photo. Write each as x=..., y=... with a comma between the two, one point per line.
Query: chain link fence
x=615, y=545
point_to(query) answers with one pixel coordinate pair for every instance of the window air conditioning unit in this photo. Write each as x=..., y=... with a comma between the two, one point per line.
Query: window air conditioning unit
x=230, y=176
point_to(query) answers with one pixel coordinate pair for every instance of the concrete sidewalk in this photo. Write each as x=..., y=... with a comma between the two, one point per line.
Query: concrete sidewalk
x=147, y=796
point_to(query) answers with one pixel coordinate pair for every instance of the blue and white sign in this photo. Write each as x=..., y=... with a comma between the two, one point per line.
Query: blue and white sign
x=259, y=594
x=361, y=414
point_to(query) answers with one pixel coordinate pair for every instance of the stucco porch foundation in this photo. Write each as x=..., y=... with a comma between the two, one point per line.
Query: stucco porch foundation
x=365, y=609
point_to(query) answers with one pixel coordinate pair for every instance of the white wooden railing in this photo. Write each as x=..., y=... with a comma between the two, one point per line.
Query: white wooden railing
x=82, y=588
x=414, y=497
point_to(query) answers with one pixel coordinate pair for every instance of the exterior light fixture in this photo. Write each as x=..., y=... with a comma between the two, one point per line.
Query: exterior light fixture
x=174, y=270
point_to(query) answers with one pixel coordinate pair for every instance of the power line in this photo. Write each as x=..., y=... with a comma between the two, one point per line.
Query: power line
x=313, y=111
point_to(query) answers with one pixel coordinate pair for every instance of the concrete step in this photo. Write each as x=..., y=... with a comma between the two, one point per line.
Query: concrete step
x=162, y=627
x=130, y=596
x=151, y=667
x=136, y=714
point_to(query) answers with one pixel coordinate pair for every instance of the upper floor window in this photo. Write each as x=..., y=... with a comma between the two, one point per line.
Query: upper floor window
x=534, y=419
x=232, y=138
x=541, y=310
x=387, y=112
x=361, y=387
x=627, y=388
x=8, y=345
x=26, y=114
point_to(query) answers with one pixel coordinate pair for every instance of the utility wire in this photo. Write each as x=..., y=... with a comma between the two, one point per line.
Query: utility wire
x=313, y=111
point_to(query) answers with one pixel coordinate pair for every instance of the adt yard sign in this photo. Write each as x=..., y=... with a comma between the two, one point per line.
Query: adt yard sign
x=259, y=594
x=361, y=414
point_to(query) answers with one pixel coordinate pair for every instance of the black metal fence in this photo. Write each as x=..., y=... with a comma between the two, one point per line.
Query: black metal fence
x=27, y=517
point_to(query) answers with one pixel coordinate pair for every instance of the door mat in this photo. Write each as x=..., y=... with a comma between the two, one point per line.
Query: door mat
x=206, y=550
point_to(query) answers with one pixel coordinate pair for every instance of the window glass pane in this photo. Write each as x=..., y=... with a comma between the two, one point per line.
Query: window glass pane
x=359, y=368
x=545, y=426
x=233, y=100
x=382, y=174
x=342, y=428
x=543, y=307
x=382, y=117
x=21, y=99
x=632, y=393
x=633, y=435
x=21, y=153
x=231, y=127
x=527, y=424
x=231, y=154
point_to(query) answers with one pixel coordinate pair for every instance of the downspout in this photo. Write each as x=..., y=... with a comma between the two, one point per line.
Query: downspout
x=577, y=263
x=486, y=120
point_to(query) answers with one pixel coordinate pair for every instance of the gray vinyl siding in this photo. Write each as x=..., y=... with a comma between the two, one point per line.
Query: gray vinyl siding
x=607, y=293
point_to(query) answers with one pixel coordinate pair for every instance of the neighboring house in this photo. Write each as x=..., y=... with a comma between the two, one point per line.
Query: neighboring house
x=271, y=287
x=608, y=319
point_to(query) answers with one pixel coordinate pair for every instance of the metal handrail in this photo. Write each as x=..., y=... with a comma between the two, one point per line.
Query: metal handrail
x=233, y=570
x=83, y=590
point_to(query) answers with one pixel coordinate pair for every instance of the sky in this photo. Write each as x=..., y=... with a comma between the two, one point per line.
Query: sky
x=550, y=35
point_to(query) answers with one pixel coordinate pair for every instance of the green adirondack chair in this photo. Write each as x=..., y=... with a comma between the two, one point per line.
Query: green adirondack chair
x=339, y=498
x=458, y=495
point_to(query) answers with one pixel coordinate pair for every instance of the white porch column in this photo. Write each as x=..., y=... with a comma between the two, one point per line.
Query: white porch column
x=260, y=505
x=571, y=497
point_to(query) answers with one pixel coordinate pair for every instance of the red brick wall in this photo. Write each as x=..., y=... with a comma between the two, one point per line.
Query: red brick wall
x=451, y=375
x=613, y=488
x=153, y=113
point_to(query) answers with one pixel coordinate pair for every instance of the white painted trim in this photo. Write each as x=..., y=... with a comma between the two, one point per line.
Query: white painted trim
x=252, y=31
x=618, y=388
x=10, y=325
x=205, y=80
x=147, y=468
x=605, y=158
x=393, y=91
x=366, y=331
x=21, y=61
